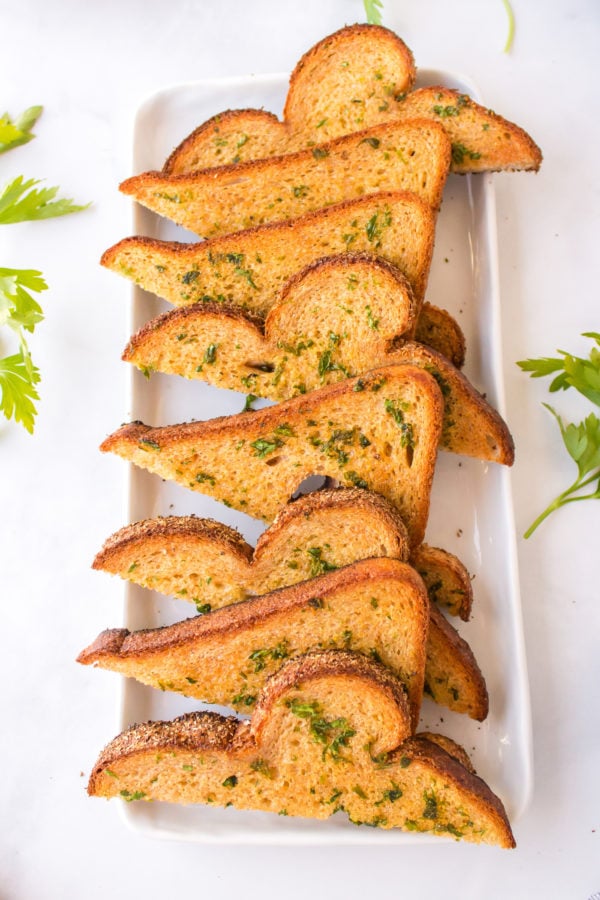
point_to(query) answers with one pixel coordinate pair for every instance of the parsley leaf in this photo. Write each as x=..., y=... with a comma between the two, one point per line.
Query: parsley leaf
x=583, y=446
x=573, y=371
x=21, y=201
x=18, y=377
x=13, y=134
x=373, y=11
x=20, y=312
x=582, y=441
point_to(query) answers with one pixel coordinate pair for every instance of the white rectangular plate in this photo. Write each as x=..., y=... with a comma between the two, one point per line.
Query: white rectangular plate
x=471, y=509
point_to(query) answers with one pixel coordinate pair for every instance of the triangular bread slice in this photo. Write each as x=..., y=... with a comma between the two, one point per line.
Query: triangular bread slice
x=344, y=717
x=379, y=431
x=403, y=156
x=354, y=79
x=248, y=269
x=337, y=318
x=377, y=607
x=210, y=565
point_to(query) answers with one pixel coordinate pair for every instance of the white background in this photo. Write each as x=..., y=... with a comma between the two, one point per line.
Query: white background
x=90, y=65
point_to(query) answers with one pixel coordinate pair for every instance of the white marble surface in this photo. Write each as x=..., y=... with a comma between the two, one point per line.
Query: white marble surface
x=90, y=65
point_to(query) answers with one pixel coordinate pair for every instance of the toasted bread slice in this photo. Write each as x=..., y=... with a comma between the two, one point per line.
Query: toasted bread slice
x=379, y=431
x=248, y=269
x=210, y=565
x=471, y=426
x=447, y=580
x=357, y=78
x=340, y=317
x=345, y=716
x=225, y=656
x=452, y=675
x=439, y=330
x=404, y=156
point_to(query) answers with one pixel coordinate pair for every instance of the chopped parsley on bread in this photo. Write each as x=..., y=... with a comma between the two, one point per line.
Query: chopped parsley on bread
x=327, y=735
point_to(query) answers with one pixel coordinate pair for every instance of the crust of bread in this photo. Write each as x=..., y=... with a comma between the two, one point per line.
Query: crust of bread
x=439, y=330
x=225, y=656
x=349, y=758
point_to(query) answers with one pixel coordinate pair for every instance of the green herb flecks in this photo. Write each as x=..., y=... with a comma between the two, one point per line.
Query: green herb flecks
x=391, y=795
x=371, y=320
x=230, y=782
x=460, y=152
x=243, y=699
x=334, y=734
x=260, y=658
x=318, y=565
x=259, y=765
x=431, y=805
x=396, y=411
x=376, y=225
x=129, y=796
x=263, y=446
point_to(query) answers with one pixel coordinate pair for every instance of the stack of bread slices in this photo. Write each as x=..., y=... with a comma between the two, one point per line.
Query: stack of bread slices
x=308, y=289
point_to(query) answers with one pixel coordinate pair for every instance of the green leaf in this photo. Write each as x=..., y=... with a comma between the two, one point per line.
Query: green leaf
x=21, y=201
x=18, y=377
x=18, y=309
x=14, y=134
x=373, y=11
x=573, y=371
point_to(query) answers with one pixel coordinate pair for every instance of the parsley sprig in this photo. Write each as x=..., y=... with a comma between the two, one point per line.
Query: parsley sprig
x=13, y=134
x=22, y=201
x=582, y=441
x=373, y=11
x=21, y=313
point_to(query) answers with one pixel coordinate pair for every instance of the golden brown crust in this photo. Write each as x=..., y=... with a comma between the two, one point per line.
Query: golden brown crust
x=199, y=731
x=343, y=40
x=186, y=149
x=451, y=747
x=167, y=527
x=439, y=330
